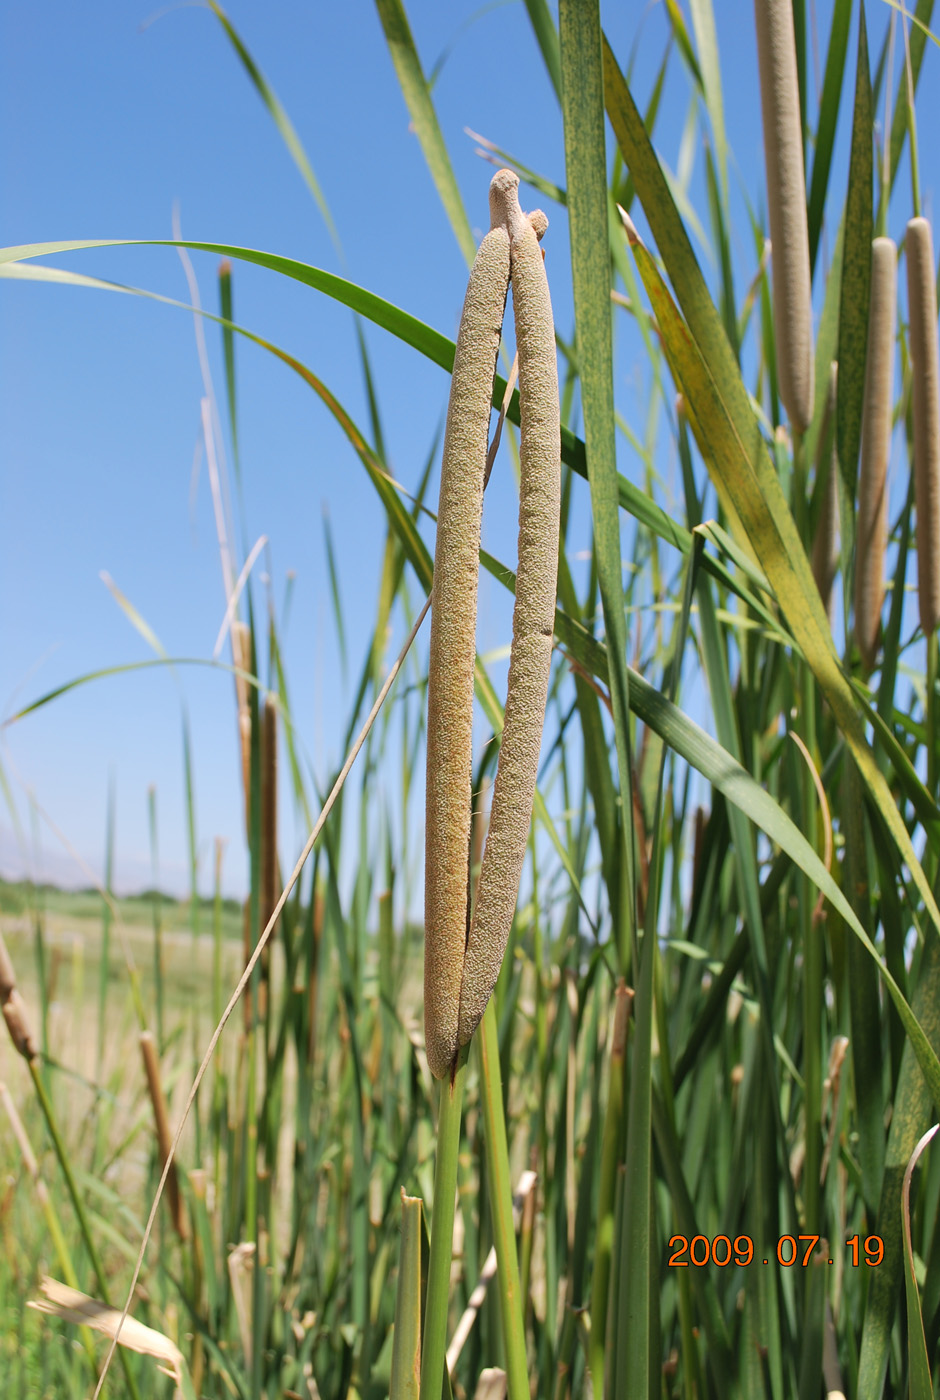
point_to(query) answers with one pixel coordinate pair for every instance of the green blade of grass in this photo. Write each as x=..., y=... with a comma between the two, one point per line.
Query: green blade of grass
x=417, y=95
x=829, y=103
x=499, y=1191
x=920, y=31
x=543, y=27
x=585, y=161
x=856, y=280
x=281, y=120
x=442, y=1230
x=909, y=1118
x=228, y=355
x=334, y=590
x=918, y=1363
x=706, y=40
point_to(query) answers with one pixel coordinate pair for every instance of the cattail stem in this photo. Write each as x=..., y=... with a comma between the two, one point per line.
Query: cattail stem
x=786, y=202
x=872, y=533
x=499, y=1185
x=434, y=1347
x=611, y=1155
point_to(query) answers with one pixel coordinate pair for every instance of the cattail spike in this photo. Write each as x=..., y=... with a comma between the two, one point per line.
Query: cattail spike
x=925, y=383
x=533, y=618
x=786, y=201
x=872, y=531
x=453, y=640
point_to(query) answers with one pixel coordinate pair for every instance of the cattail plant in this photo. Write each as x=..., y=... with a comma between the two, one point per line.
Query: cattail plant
x=876, y=443
x=462, y=959
x=825, y=558
x=786, y=200
x=925, y=383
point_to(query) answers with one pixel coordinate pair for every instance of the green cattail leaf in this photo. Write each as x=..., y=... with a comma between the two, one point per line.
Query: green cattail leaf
x=543, y=27
x=417, y=95
x=281, y=120
x=920, y=29
x=585, y=159
x=918, y=1363
x=706, y=41
x=334, y=589
x=829, y=103
x=872, y=518
x=910, y=1117
x=228, y=354
x=856, y=277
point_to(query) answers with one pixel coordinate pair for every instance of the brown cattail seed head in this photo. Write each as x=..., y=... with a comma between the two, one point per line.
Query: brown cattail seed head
x=14, y=1008
x=925, y=383
x=453, y=639
x=872, y=532
x=786, y=200
x=533, y=617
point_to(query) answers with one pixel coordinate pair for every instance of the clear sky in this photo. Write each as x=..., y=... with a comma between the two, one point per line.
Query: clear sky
x=111, y=114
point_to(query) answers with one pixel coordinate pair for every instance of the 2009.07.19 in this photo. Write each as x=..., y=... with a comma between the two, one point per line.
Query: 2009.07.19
x=790, y=1250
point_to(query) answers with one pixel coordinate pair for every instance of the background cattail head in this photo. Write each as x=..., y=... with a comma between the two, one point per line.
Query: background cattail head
x=786, y=204
x=872, y=532
x=14, y=1008
x=925, y=387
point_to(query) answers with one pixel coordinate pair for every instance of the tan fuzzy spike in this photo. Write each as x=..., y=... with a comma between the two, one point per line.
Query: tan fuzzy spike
x=533, y=616
x=786, y=201
x=872, y=527
x=925, y=384
x=453, y=647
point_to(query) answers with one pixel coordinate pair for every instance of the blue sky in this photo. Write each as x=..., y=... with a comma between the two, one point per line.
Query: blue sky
x=112, y=114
